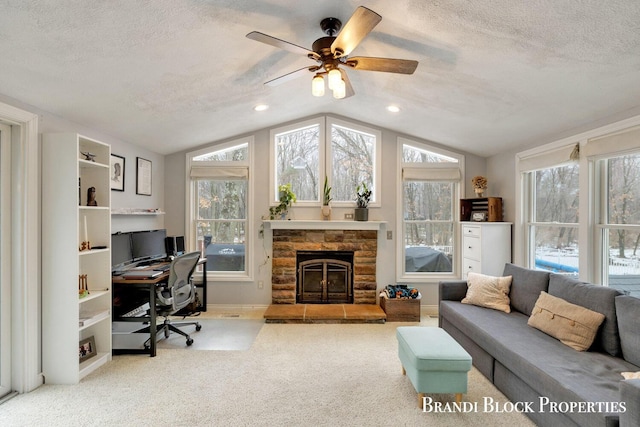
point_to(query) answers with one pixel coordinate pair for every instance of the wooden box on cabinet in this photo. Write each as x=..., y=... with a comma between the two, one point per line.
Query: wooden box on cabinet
x=491, y=207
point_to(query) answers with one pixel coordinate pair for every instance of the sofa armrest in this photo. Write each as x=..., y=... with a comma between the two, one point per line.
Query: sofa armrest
x=453, y=290
x=630, y=395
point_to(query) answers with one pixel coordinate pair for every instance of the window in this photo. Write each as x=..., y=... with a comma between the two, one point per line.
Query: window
x=304, y=153
x=220, y=207
x=619, y=222
x=298, y=160
x=553, y=219
x=430, y=193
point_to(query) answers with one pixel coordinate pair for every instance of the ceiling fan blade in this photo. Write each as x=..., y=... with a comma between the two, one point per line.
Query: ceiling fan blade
x=348, y=88
x=359, y=25
x=387, y=65
x=270, y=40
x=289, y=76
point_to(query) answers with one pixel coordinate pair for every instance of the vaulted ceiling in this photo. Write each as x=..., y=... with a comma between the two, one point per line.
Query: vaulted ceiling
x=173, y=74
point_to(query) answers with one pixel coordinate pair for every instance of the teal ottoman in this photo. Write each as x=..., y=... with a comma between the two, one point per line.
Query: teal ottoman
x=433, y=361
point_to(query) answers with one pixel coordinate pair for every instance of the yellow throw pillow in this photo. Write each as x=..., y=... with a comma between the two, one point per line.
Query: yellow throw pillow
x=631, y=375
x=572, y=324
x=488, y=291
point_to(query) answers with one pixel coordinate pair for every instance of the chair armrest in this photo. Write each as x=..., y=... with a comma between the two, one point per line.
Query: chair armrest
x=630, y=395
x=454, y=290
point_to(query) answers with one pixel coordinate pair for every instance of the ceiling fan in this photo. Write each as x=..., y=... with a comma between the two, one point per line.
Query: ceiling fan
x=332, y=52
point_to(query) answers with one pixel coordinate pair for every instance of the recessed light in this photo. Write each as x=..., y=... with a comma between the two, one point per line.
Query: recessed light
x=393, y=108
x=261, y=107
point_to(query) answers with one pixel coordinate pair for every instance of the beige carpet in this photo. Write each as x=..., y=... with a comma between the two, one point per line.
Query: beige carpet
x=292, y=375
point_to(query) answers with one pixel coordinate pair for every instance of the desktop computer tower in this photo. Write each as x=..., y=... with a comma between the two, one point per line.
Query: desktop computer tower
x=174, y=245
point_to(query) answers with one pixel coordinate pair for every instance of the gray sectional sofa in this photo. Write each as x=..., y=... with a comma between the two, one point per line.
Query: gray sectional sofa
x=566, y=387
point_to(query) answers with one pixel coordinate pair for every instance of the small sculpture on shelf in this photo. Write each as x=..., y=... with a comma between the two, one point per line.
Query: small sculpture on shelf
x=89, y=156
x=83, y=286
x=91, y=196
x=479, y=185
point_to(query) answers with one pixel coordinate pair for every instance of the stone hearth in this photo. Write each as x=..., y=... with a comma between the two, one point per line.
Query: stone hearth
x=286, y=242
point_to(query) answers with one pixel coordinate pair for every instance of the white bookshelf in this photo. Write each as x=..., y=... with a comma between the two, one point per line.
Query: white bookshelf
x=66, y=318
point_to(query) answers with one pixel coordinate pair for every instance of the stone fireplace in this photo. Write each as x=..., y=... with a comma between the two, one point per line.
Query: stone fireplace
x=288, y=243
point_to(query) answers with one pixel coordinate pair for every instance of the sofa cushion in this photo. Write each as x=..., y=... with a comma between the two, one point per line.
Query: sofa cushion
x=572, y=324
x=526, y=286
x=488, y=291
x=628, y=311
x=594, y=297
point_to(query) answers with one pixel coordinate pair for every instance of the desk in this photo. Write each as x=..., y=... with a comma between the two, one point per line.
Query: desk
x=123, y=286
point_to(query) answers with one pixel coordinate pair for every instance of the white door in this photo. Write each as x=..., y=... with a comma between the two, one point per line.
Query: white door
x=5, y=260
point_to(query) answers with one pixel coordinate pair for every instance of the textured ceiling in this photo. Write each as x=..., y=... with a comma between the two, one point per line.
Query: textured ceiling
x=173, y=74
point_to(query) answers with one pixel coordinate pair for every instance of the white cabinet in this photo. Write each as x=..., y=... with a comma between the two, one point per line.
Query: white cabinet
x=67, y=221
x=486, y=247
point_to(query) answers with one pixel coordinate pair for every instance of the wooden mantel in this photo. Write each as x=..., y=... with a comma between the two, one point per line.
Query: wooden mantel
x=324, y=225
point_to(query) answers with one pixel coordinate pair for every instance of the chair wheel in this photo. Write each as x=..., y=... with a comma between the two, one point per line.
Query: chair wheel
x=189, y=341
x=198, y=327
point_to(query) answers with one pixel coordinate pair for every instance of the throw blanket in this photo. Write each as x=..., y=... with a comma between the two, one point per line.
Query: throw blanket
x=400, y=291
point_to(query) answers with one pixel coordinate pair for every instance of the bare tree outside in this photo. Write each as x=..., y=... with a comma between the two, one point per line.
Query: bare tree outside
x=222, y=204
x=556, y=218
x=428, y=216
x=298, y=162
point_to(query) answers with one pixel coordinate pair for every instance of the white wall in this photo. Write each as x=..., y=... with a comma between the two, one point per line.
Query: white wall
x=239, y=293
x=129, y=199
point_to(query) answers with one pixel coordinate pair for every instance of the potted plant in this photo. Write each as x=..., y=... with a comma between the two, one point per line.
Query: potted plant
x=363, y=197
x=326, y=199
x=286, y=198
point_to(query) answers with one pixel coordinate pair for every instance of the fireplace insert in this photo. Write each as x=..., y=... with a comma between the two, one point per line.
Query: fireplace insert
x=324, y=277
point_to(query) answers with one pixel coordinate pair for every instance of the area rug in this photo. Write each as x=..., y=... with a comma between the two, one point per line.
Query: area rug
x=216, y=334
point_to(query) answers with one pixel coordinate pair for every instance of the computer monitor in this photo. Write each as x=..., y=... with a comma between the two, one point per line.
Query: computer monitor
x=121, y=253
x=148, y=244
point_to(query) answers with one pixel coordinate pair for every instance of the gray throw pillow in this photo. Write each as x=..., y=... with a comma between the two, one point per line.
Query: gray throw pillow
x=526, y=286
x=628, y=311
x=594, y=297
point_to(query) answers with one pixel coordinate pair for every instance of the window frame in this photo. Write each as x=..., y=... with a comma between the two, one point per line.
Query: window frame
x=602, y=225
x=458, y=190
x=377, y=161
x=191, y=205
x=529, y=221
x=325, y=124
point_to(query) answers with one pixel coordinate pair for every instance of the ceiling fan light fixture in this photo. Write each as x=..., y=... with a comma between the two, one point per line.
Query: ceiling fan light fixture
x=340, y=90
x=317, y=85
x=334, y=77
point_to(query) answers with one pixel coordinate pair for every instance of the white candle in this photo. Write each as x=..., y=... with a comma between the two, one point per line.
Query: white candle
x=86, y=236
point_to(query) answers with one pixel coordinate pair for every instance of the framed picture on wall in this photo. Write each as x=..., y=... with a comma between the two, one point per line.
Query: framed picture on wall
x=117, y=172
x=143, y=176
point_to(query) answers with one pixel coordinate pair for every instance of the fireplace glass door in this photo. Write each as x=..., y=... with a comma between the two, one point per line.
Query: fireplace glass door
x=324, y=281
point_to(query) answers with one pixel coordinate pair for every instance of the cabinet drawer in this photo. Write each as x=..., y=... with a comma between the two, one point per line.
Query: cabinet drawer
x=471, y=248
x=470, y=265
x=470, y=230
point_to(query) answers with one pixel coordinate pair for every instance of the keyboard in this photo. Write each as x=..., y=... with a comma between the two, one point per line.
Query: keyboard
x=138, y=311
x=165, y=267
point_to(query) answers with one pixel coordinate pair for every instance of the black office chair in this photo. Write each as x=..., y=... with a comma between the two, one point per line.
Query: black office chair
x=177, y=294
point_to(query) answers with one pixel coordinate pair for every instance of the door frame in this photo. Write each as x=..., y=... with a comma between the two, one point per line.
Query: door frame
x=26, y=371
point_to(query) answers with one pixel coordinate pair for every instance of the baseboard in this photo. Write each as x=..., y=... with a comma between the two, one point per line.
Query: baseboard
x=237, y=307
x=429, y=310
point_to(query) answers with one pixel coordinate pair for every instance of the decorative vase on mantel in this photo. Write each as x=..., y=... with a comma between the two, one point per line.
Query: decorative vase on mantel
x=361, y=214
x=326, y=212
